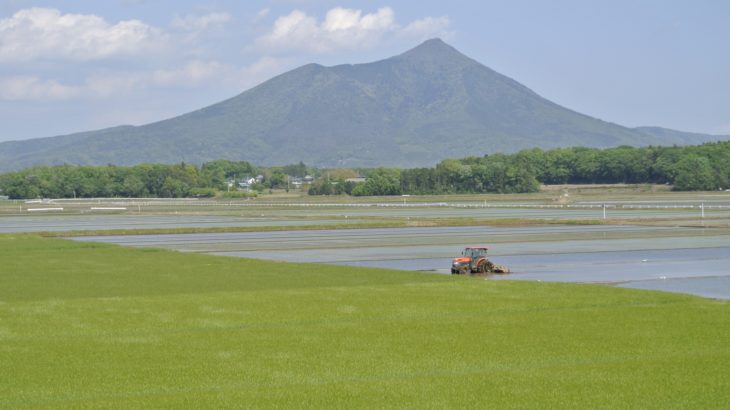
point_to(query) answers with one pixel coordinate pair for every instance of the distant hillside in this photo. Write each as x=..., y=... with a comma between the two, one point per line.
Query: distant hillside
x=414, y=109
x=689, y=138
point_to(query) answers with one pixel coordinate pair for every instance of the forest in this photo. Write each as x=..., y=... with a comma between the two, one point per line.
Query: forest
x=686, y=168
x=689, y=168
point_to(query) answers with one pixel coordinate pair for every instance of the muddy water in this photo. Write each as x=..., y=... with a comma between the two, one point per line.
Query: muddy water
x=716, y=287
x=699, y=271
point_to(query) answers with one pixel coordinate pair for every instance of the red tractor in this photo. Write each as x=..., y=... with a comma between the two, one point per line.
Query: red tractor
x=474, y=260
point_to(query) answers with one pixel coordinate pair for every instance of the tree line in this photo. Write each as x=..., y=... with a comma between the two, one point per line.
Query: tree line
x=702, y=167
x=687, y=168
x=140, y=181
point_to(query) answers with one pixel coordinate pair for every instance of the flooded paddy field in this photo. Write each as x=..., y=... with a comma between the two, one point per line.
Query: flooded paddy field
x=247, y=214
x=687, y=260
x=515, y=211
x=87, y=222
x=677, y=242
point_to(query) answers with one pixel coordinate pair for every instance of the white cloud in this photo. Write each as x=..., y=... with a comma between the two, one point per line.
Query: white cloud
x=296, y=27
x=193, y=74
x=114, y=84
x=262, y=14
x=427, y=28
x=196, y=73
x=341, y=29
x=340, y=20
x=43, y=33
x=261, y=70
x=200, y=23
x=30, y=88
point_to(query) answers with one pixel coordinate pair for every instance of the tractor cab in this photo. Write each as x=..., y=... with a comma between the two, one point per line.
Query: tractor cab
x=475, y=253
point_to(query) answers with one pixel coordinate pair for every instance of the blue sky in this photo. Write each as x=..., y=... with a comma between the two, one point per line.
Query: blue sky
x=68, y=66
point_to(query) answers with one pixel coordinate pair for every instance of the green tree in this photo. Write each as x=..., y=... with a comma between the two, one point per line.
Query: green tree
x=380, y=182
x=133, y=187
x=694, y=173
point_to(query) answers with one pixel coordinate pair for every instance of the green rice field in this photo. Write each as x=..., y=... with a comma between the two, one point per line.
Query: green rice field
x=90, y=325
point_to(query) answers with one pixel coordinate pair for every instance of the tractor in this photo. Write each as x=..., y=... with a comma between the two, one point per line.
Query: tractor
x=474, y=260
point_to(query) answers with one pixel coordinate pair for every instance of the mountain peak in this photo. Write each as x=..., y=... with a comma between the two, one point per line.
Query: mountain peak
x=433, y=48
x=433, y=42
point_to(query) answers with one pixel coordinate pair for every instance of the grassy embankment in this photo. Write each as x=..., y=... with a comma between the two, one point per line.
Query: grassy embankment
x=93, y=325
x=360, y=223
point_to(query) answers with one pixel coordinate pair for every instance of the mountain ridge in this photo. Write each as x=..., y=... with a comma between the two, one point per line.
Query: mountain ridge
x=413, y=109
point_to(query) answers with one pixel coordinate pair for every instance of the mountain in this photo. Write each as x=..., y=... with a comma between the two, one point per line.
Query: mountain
x=666, y=134
x=414, y=109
